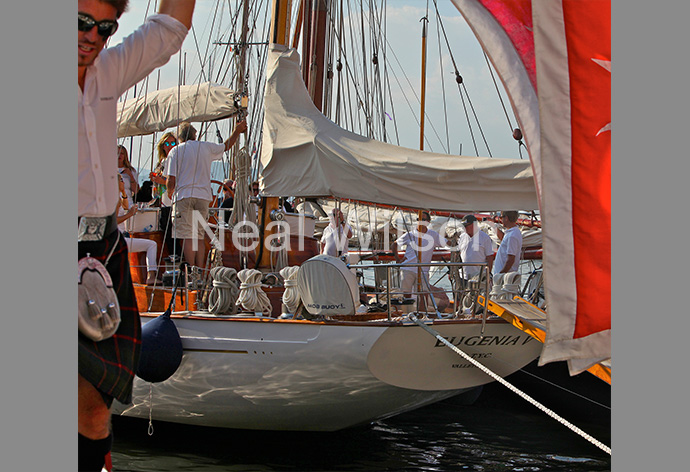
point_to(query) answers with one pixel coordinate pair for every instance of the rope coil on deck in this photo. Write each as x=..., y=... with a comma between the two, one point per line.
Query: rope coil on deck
x=223, y=295
x=291, y=297
x=501, y=380
x=251, y=297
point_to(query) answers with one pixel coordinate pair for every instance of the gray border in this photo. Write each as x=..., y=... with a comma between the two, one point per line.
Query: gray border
x=650, y=171
x=38, y=190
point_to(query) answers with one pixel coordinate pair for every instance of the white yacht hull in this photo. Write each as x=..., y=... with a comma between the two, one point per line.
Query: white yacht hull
x=271, y=374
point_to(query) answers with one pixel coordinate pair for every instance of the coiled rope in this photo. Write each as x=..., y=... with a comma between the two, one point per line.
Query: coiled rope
x=501, y=380
x=241, y=207
x=291, y=296
x=223, y=295
x=251, y=297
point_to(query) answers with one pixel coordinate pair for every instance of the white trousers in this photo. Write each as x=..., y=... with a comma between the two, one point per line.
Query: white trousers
x=144, y=245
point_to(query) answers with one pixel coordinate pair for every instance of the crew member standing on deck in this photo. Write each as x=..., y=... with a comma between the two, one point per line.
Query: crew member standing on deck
x=430, y=240
x=107, y=367
x=475, y=246
x=188, y=168
x=508, y=255
x=334, y=240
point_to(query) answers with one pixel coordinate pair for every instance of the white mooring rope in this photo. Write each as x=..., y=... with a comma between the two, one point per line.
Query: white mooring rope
x=499, y=379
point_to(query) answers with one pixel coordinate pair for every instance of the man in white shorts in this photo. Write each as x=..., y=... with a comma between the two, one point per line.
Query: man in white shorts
x=430, y=240
x=475, y=246
x=188, y=168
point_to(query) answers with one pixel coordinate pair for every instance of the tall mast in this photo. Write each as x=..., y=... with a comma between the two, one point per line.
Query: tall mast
x=280, y=23
x=279, y=34
x=240, y=83
x=317, y=51
x=424, y=21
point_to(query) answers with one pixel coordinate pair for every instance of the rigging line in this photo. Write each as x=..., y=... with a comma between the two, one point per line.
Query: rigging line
x=377, y=22
x=462, y=86
x=352, y=75
x=507, y=384
x=359, y=81
x=411, y=87
x=374, y=26
x=339, y=23
x=349, y=111
x=594, y=402
x=498, y=92
x=467, y=117
x=386, y=82
x=443, y=81
x=361, y=102
x=364, y=73
x=476, y=118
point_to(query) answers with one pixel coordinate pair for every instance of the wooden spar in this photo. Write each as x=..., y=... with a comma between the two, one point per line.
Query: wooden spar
x=423, y=91
x=421, y=148
x=317, y=52
x=298, y=25
x=280, y=24
x=240, y=85
x=306, y=39
x=280, y=34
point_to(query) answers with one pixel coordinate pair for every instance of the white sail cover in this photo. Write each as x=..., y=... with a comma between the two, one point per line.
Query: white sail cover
x=305, y=154
x=163, y=109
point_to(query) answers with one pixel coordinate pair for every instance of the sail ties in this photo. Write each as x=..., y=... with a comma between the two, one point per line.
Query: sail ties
x=251, y=296
x=514, y=389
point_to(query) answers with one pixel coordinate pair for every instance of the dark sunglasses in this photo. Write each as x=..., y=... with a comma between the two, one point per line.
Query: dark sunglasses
x=106, y=28
x=170, y=144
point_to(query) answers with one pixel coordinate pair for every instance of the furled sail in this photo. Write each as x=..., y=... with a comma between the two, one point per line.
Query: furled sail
x=557, y=53
x=305, y=154
x=163, y=109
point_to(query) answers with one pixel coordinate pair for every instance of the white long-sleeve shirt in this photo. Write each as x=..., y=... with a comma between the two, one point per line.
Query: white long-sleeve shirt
x=115, y=70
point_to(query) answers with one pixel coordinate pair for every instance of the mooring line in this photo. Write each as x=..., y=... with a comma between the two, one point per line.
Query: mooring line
x=501, y=380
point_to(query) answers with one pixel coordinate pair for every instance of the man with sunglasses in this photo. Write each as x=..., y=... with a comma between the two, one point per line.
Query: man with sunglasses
x=107, y=367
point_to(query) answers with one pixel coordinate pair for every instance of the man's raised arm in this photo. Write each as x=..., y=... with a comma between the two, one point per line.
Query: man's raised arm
x=181, y=10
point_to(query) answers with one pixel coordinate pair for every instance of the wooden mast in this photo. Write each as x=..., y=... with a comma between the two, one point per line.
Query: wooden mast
x=279, y=34
x=420, y=299
x=317, y=51
x=424, y=20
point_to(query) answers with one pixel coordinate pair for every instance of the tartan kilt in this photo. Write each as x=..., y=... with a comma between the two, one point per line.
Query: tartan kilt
x=110, y=364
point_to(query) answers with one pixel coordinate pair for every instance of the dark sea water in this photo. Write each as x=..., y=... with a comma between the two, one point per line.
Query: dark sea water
x=488, y=435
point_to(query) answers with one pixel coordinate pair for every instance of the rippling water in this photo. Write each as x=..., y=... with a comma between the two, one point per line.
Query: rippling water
x=447, y=436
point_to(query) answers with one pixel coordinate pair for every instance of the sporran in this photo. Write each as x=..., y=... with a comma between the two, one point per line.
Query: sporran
x=98, y=307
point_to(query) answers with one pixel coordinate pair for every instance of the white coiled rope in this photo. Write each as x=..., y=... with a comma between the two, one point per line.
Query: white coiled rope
x=251, y=297
x=501, y=380
x=240, y=205
x=223, y=295
x=291, y=296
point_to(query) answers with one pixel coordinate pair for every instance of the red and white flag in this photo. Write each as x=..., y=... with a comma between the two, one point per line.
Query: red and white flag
x=554, y=58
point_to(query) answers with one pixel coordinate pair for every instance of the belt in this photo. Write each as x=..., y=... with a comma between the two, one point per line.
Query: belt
x=96, y=228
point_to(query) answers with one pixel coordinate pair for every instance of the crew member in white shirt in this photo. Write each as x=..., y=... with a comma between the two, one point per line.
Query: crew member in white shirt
x=475, y=246
x=188, y=168
x=334, y=240
x=508, y=254
x=430, y=240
